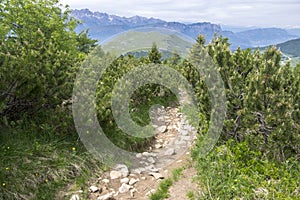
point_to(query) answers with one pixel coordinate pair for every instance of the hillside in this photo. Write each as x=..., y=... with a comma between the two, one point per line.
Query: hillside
x=290, y=51
x=166, y=40
x=291, y=47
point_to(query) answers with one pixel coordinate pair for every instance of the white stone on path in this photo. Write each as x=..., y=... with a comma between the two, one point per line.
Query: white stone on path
x=138, y=170
x=151, y=168
x=75, y=197
x=162, y=129
x=151, y=160
x=133, y=181
x=139, y=155
x=157, y=175
x=105, y=180
x=106, y=196
x=124, y=188
x=124, y=180
x=93, y=189
x=115, y=174
x=146, y=154
x=170, y=152
x=123, y=169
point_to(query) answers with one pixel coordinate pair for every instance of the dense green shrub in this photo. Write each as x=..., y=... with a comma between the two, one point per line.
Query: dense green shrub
x=262, y=94
x=140, y=101
x=262, y=97
x=262, y=162
x=39, y=55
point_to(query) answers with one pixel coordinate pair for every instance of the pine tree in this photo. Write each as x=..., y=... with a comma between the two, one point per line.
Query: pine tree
x=262, y=96
x=175, y=58
x=154, y=55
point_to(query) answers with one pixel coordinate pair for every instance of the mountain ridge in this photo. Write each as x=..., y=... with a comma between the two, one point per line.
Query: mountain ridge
x=103, y=26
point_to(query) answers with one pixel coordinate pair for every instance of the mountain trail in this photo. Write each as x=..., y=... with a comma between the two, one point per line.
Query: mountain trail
x=170, y=151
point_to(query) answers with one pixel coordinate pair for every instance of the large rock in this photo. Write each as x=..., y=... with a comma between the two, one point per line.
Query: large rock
x=124, y=188
x=106, y=196
x=123, y=169
x=115, y=174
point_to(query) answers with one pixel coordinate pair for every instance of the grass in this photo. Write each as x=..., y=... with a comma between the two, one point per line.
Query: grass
x=190, y=195
x=234, y=171
x=176, y=173
x=37, y=161
x=163, y=189
x=43, y=158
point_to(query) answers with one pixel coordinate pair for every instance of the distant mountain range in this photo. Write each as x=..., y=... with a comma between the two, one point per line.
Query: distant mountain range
x=294, y=31
x=259, y=37
x=103, y=26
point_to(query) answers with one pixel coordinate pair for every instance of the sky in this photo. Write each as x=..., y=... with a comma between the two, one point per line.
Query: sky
x=246, y=13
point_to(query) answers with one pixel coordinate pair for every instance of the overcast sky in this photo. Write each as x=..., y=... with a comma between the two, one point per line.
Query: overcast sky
x=267, y=13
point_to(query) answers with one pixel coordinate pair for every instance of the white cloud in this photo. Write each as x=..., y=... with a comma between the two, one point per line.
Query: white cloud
x=255, y=13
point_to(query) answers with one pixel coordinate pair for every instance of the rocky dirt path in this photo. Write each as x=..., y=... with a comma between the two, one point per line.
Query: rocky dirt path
x=174, y=137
